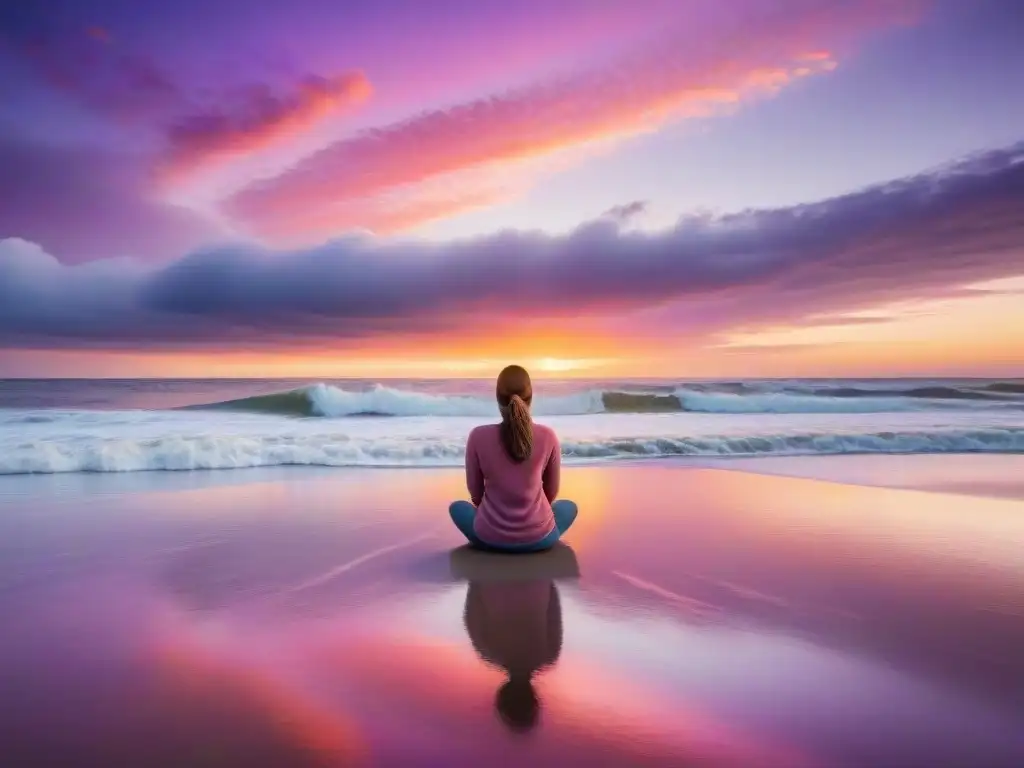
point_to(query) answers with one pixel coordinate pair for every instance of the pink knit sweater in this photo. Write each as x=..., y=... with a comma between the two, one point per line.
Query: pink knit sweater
x=513, y=501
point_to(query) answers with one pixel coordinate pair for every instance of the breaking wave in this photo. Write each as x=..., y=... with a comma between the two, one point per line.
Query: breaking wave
x=191, y=452
x=324, y=400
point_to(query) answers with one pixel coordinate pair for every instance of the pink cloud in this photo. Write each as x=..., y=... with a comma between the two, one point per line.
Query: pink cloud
x=402, y=208
x=259, y=120
x=385, y=217
x=640, y=93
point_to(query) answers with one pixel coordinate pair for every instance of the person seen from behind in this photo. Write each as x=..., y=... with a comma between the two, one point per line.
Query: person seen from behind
x=513, y=473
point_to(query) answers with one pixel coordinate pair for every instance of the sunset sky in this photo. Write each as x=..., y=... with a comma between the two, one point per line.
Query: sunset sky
x=596, y=188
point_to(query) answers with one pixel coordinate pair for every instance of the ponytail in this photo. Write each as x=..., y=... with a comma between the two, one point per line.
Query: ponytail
x=517, y=429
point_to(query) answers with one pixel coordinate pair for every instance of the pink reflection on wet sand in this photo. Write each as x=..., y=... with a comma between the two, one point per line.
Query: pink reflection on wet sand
x=323, y=618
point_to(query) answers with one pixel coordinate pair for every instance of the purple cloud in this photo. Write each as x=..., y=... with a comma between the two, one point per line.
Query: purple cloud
x=85, y=65
x=82, y=204
x=187, y=119
x=914, y=237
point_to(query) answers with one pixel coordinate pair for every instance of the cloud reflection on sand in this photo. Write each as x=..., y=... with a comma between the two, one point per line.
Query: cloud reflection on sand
x=831, y=628
x=407, y=679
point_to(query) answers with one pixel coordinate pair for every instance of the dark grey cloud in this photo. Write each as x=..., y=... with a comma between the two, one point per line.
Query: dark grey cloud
x=916, y=237
x=626, y=212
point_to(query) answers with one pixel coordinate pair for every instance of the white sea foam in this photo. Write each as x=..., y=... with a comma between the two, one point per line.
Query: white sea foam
x=329, y=401
x=126, y=441
x=781, y=402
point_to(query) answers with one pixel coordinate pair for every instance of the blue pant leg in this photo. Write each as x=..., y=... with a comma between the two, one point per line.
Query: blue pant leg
x=565, y=514
x=463, y=513
x=534, y=546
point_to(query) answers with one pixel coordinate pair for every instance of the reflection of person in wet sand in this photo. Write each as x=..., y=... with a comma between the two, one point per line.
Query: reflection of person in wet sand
x=514, y=619
x=517, y=627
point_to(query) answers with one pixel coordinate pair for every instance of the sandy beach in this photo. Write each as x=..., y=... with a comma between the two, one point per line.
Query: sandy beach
x=329, y=617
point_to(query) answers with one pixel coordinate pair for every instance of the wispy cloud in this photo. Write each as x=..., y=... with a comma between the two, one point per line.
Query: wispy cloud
x=258, y=120
x=195, y=124
x=918, y=236
x=626, y=212
x=679, y=79
x=487, y=132
x=392, y=214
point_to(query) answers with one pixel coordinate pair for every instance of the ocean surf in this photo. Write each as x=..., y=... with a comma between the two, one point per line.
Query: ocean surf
x=122, y=426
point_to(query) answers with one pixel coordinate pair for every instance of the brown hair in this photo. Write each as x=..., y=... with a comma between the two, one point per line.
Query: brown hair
x=515, y=393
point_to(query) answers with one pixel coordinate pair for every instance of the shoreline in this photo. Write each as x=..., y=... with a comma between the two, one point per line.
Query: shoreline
x=987, y=475
x=995, y=475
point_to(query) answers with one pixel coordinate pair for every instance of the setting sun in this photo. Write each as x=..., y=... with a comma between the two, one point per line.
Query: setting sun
x=558, y=365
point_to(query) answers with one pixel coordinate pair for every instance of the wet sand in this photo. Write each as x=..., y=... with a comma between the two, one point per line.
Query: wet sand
x=326, y=617
x=995, y=475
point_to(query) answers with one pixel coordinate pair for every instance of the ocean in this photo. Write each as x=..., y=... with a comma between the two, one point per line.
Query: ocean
x=93, y=425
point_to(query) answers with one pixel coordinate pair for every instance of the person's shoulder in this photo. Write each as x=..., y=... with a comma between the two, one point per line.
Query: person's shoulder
x=483, y=431
x=544, y=432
